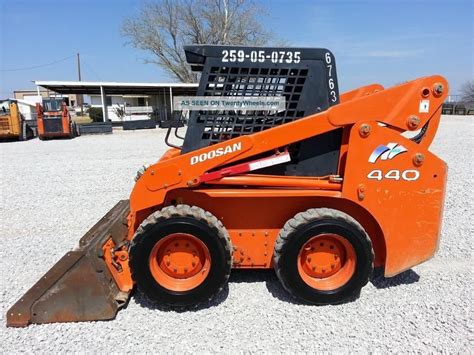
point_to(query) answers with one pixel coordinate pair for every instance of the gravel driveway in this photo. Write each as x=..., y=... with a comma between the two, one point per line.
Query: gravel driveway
x=53, y=192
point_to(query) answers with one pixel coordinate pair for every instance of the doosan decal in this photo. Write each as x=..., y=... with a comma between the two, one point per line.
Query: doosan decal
x=216, y=153
x=386, y=152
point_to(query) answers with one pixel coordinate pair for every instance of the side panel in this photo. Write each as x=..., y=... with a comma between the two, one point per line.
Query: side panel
x=39, y=120
x=10, y=124
x=66, y=121
x=254, y=221
x=403, y=187
x=15, y=119
x=40, y=127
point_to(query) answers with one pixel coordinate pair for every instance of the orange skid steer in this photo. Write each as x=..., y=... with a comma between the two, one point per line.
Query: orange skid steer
x=322, y=191
x=54, y=120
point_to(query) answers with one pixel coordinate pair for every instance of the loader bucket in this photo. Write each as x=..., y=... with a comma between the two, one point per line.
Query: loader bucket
x=79, y=287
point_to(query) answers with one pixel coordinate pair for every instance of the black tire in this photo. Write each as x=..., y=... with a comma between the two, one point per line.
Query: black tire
x=75, y=130
x=72, y=130
x=181, y=219
x=301, y=228
x=22, y=136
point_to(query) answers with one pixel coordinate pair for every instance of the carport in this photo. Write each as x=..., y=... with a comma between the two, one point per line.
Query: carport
x=163, y=91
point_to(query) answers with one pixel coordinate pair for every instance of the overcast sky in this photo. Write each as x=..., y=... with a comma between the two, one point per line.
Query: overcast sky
x=374, y=41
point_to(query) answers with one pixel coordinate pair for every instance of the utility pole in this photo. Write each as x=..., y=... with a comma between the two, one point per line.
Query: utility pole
x=80, y=97
x=78, y=66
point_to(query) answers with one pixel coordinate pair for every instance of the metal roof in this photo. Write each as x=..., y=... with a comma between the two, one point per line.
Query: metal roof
x=24, y=102
x=117, y=88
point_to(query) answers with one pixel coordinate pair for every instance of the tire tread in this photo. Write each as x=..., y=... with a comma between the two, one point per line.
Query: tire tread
x=303, y=218
x=183, y=210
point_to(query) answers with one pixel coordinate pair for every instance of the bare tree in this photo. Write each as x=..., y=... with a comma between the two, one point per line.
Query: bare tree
x=163, y=26
x=467, y=91
x=119, y=112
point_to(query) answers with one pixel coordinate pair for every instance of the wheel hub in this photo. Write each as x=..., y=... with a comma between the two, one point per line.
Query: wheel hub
x=181, y=257
x=326, y=261
x=180, y=261
x=323, y=257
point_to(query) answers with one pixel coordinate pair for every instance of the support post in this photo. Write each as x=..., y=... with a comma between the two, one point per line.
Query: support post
x=78, y=67
x=40, y=98
x=103, y=96
x=79, y=98
x=171, y=100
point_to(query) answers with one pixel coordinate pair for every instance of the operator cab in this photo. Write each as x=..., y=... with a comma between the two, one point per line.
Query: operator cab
x=305, y=77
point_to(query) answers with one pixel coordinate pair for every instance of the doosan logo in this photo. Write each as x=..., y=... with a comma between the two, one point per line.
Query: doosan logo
x=216, y=153
x=386, y=152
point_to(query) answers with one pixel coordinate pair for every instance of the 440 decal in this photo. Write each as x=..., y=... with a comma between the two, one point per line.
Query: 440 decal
x=394, y=174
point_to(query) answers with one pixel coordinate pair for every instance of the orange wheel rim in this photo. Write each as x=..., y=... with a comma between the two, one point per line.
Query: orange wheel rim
x=326, y=262
x=180, y=262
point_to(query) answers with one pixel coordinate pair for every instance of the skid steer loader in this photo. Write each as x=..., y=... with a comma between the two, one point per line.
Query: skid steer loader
x=322, y=192
x=13, y=124
x=54, y=120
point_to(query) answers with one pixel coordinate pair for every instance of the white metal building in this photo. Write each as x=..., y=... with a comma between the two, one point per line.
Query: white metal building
x=139, y=100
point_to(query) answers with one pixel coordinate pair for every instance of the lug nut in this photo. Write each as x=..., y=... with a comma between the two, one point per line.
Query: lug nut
x=438, y=89
x=418, y=159
x=364, y=130
x=361, y=191
x=413, y=122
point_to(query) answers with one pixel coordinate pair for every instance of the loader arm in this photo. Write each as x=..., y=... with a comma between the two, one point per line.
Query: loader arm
x=398, y=107
x=360, y=92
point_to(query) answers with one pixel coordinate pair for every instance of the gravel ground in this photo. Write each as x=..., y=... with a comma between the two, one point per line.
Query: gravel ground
x=53, y=192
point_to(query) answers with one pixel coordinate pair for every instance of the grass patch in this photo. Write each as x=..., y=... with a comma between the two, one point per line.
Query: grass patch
x=82, y=119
